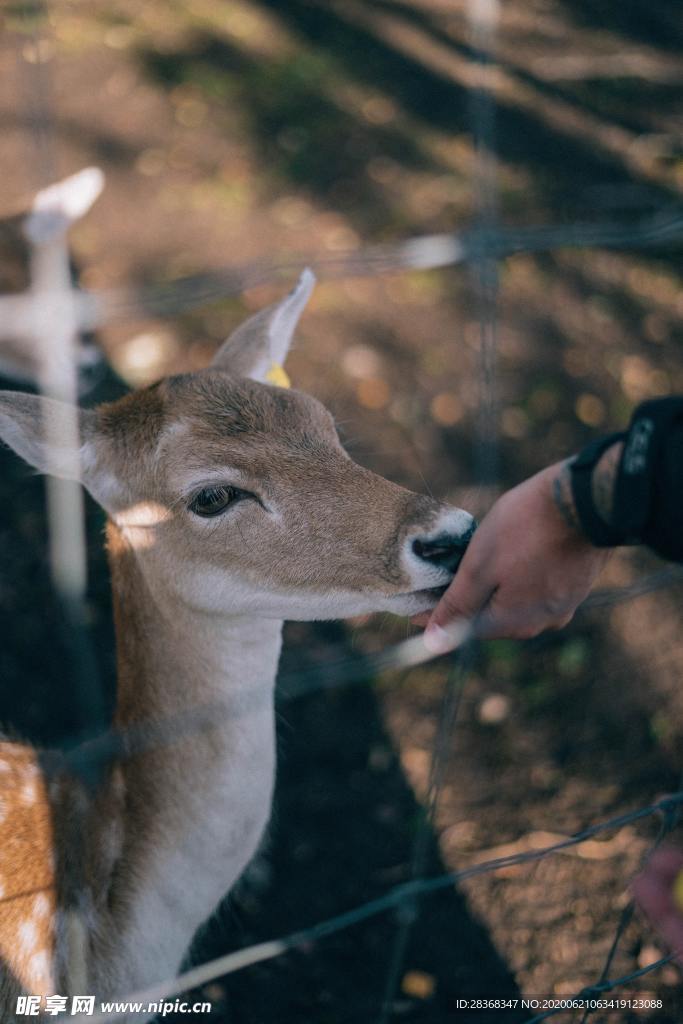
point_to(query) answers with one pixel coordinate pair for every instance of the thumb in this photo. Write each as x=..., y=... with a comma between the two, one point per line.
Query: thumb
x=452, y=619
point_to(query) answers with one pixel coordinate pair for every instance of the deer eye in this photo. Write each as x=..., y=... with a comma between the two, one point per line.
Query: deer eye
x=214, y=500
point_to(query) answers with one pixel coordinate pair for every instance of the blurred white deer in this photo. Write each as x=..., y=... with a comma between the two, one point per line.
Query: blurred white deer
x=34, y=272
x=231, y=506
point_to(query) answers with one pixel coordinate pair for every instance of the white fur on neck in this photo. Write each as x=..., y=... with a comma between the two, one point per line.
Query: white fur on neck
x=198, y=855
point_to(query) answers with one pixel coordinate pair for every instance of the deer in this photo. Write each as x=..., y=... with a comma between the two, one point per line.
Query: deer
x=231, y=506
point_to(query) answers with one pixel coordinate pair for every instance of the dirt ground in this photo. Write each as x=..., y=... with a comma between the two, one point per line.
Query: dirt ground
x=230, y=131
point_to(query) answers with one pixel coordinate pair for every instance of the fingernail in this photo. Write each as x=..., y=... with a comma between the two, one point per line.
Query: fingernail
x=438, y=640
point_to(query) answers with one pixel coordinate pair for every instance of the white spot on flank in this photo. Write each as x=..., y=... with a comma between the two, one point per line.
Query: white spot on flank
x=28, y=792
x=39, y=974
x=41, y=905
x=2, y=888
x=28, y=935
x=4, y=766
x=3, y=810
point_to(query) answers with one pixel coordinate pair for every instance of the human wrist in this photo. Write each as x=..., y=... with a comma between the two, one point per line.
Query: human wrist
x=604, y=480
x=602, y=485
x=596, y=521
x=563, y=497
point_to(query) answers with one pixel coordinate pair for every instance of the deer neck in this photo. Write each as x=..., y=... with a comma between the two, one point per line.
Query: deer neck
x=171, y=657
x=194, y=805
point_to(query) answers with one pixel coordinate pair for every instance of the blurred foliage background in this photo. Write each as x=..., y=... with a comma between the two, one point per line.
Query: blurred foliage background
x=235, y=129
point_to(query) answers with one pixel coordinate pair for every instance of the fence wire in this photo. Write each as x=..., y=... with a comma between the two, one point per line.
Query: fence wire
x=102, y=747
x=442, y=750
x=95, y=308
x=479, y=248
x=400, y=894
x=668, y=823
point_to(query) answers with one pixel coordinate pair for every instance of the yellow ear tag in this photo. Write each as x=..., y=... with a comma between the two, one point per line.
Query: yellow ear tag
x=677, y=890
x=277, y=376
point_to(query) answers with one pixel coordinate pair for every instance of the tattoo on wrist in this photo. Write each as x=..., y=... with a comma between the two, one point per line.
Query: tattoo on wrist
x=563, y=497
x=603, y=482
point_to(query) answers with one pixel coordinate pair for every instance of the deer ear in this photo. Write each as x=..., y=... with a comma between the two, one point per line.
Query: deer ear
x=55, y=208
x=55, y=438
x=259, y=347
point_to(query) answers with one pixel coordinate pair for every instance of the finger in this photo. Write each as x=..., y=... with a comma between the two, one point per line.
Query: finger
x=655, y=897
x=511, y=614
x=462, y=602
x=497, y=622
x=670, y=927
x=466, y=596
x=665, y=863
x=441, y=639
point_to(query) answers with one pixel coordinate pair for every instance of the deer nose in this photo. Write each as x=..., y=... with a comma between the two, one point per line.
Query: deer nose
x=444, y=551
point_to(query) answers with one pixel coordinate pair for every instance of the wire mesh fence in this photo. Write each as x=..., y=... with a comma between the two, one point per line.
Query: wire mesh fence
x=53, y=301
x=407, y=893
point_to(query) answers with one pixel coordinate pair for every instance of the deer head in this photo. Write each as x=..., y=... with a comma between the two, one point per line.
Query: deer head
x=236, y=494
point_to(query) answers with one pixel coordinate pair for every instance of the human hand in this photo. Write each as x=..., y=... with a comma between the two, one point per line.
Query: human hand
x=654, y=890
x=527, y=567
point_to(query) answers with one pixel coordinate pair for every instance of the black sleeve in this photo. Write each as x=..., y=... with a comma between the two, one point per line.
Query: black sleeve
x=649, y=489
x=664, y=529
